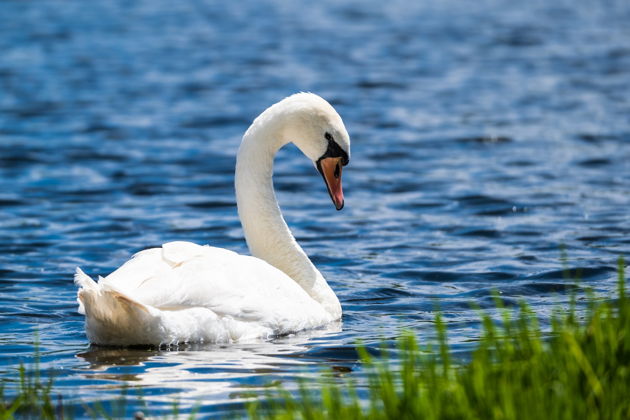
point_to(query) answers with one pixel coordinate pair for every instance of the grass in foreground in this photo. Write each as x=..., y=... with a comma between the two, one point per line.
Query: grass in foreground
x=581, y=370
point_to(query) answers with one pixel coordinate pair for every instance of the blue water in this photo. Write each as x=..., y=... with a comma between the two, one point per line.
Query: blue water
x=486, y=135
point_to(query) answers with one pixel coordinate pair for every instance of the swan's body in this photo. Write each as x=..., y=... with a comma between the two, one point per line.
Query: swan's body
x=183, y=292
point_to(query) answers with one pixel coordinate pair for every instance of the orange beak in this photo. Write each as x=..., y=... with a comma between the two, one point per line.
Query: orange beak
x=330, y=168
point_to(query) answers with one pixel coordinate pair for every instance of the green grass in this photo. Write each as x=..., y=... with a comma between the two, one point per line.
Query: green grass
x=579, y=369
x=33, y=399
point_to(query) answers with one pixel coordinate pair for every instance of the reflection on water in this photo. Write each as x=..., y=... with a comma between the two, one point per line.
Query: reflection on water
x=206, y=373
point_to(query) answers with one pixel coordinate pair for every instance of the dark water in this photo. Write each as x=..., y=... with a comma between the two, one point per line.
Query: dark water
x=485, y=136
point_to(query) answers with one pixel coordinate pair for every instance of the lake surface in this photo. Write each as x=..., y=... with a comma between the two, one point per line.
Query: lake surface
x=485, y=136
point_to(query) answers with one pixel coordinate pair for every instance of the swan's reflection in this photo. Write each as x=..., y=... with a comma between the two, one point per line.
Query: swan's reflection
x=206, y=373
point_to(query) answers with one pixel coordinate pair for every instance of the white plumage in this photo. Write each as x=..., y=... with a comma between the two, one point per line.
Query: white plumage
x=239, y=298
x=184, y=292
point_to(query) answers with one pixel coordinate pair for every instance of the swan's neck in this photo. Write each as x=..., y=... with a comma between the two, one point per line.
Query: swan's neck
x=266, y=232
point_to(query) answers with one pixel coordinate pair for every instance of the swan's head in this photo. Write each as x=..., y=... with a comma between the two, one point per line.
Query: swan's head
x=317, y=130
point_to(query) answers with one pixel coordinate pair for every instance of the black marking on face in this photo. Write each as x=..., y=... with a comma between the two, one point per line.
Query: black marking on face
x=334, y=150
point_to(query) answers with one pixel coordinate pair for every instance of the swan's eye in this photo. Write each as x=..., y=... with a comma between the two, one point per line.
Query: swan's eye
x=334, y=150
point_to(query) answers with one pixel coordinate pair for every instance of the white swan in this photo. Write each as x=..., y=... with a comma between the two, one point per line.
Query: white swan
x=183, y=292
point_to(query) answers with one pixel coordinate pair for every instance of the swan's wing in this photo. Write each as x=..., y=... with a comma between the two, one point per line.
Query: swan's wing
x=183, y=275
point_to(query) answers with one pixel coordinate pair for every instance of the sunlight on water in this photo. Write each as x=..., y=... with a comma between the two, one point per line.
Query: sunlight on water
x=485, y=136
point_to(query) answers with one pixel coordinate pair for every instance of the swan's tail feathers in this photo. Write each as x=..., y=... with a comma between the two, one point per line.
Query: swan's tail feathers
x=111, y=316
x=130, y=306
x=84, y=282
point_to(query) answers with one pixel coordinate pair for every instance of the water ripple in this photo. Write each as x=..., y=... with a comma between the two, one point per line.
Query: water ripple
x=485, y=135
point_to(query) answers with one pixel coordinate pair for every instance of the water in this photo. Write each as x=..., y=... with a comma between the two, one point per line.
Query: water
x=484, y=137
